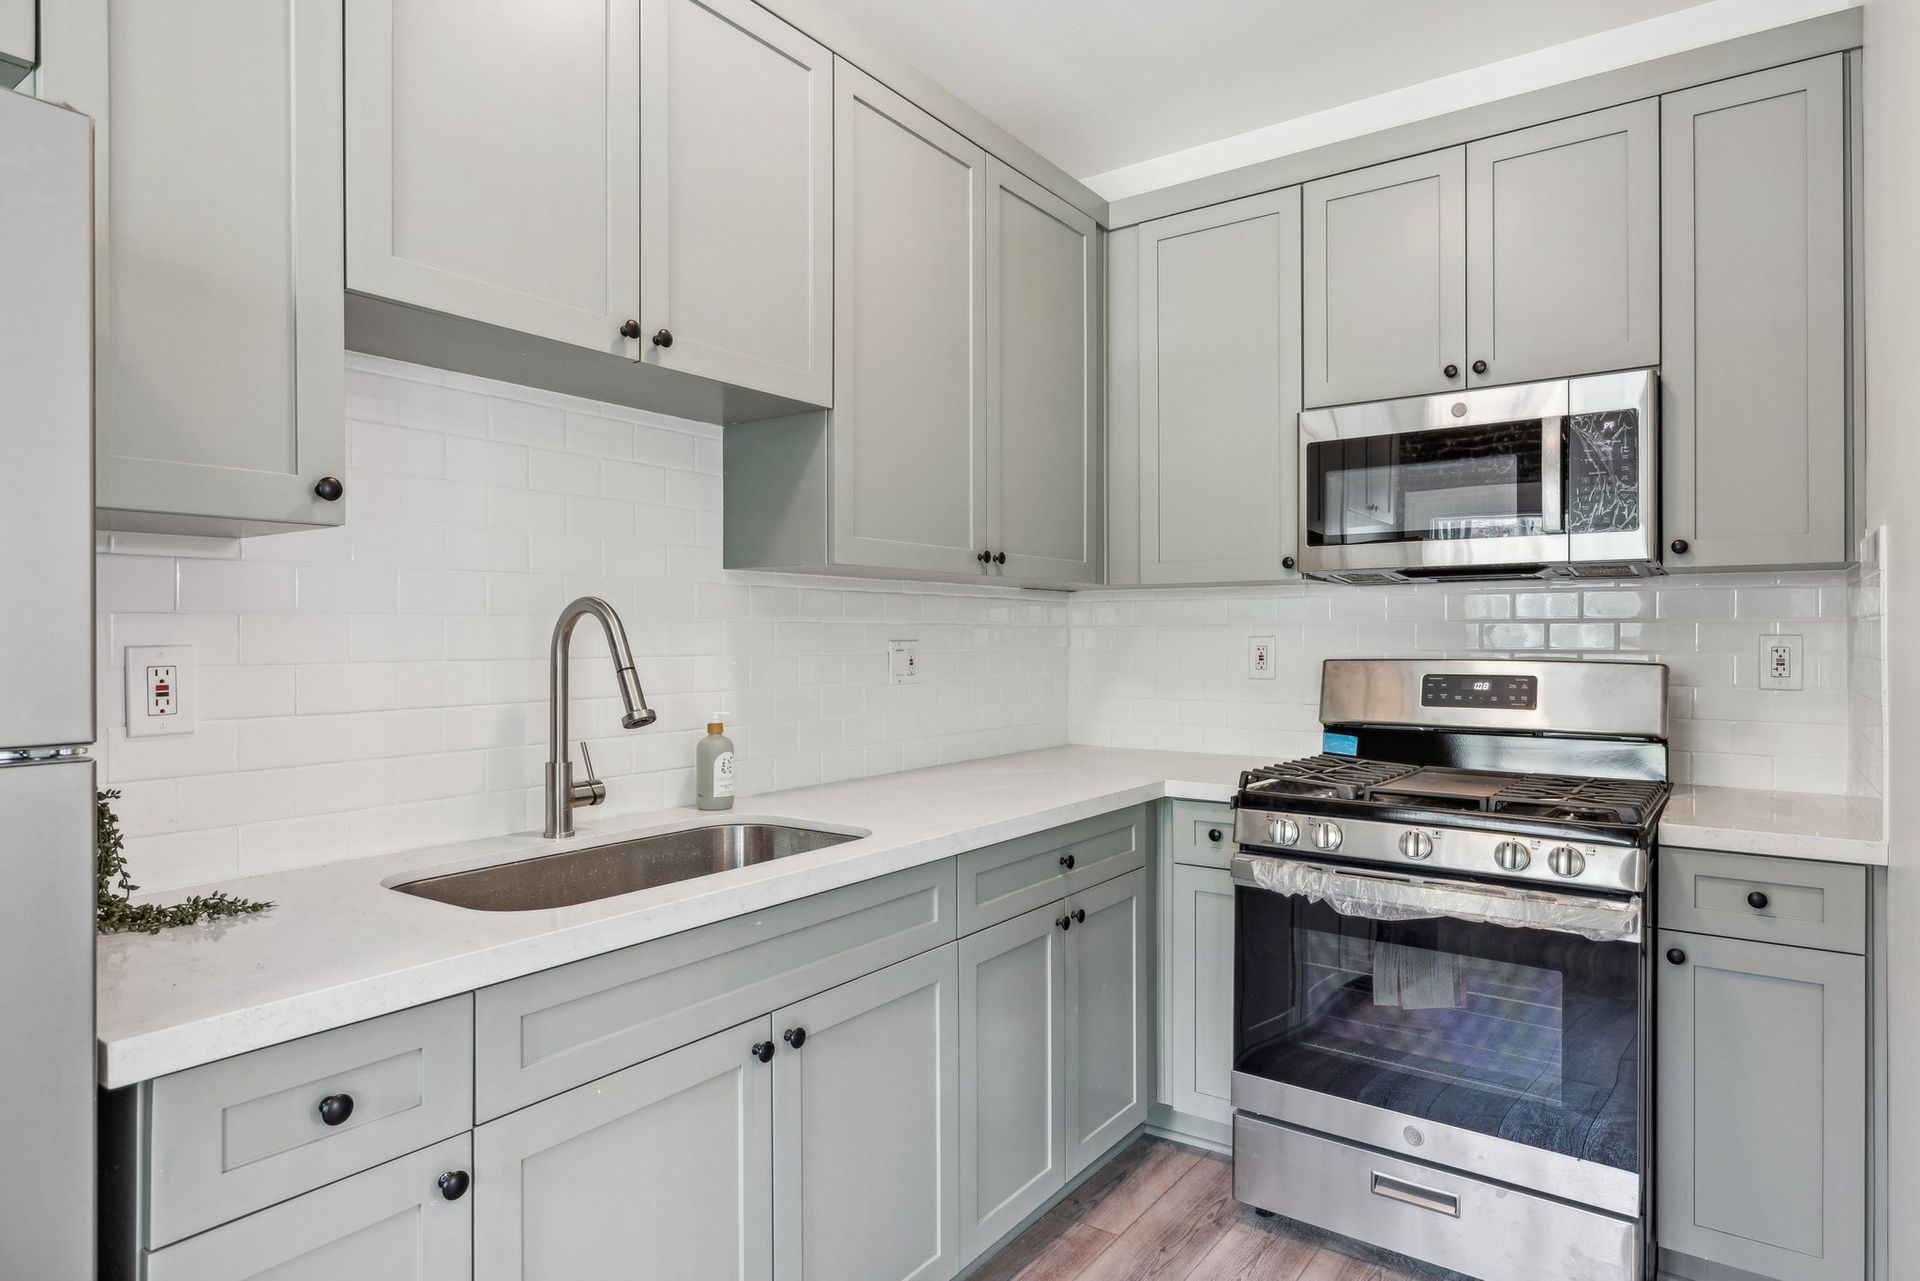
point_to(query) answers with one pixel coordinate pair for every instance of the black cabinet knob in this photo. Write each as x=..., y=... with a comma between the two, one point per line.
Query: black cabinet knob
x=454, y=1184
x=1451, y=371
x=999, y=558
x=1757, y=901
x=1066, y=861
x=1064, y=922
x=336, y=1108
x=663, y=338
x=796, y=1037
x=1479, y=366
x=1079, y=915
x=1678, y=547
x=1213, y=834
x=985, y=558
x=328, y=489
x=1286, y=562
x=763, y=1051
x=1676, y=956
x=631, y=329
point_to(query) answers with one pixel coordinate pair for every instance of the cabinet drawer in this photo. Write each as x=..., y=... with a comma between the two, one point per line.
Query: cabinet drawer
x=1768, y=900
x=391, y=1223
x=537, y=1036
x=1202, y=833
x=243, y=1133
x=1001, y=881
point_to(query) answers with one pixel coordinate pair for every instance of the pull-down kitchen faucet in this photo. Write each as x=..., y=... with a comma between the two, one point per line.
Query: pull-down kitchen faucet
x=562, y=792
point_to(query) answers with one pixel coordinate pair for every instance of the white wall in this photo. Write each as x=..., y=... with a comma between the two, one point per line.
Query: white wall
x=384, y=685
x=1893, y=469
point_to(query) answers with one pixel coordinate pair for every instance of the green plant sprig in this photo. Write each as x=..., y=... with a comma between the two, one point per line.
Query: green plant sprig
x=114, y=889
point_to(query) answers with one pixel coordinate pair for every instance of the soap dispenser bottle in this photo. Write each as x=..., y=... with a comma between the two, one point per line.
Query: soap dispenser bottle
x=714, y=769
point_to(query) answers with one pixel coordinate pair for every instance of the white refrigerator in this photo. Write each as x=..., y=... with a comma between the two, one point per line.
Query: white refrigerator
x=46, y=692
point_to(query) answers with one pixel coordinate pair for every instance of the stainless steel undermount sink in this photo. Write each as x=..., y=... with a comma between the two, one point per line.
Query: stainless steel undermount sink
x=602, y=871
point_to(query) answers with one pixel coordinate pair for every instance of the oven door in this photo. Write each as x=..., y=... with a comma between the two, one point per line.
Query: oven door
x=1497, y=1031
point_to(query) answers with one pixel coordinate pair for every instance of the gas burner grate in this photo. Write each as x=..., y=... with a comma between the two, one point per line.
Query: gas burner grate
x=1583, y=800
x=1346, y=778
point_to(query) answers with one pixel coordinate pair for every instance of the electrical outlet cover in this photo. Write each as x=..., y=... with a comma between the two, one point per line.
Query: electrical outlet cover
x=903, y=662
x=161, y=690
x=1260, y=658
x=1782, y=662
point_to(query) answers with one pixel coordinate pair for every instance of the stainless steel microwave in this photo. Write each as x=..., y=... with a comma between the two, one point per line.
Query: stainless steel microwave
x=1540, y=480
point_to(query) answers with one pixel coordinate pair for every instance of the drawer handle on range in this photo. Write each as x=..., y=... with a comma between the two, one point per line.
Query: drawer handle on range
x=1414, y=1195
x=1066, y=861
x=1757, y=901
x=454, y=1184
x=336, y=1108
x=796, y=1037
x=1213, y=834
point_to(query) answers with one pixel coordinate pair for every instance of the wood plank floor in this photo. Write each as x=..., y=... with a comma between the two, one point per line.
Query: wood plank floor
x=1163, y=1212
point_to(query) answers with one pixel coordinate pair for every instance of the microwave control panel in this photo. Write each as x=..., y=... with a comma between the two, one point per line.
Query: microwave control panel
x=1439, y=689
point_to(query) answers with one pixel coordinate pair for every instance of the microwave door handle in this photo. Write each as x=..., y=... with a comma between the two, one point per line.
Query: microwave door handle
x=1553, y=487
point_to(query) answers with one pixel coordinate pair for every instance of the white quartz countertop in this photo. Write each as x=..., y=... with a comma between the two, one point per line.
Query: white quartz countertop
x=340, y=946
x=1834, y=829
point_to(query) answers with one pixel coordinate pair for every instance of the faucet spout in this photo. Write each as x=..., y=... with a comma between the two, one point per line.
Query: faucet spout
x=563, y=794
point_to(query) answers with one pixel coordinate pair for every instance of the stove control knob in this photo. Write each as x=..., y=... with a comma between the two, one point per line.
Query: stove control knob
x=1282, y=831
x=1327, y=835
x=1416, y=844
x=1512, y=856
x=1566, y=861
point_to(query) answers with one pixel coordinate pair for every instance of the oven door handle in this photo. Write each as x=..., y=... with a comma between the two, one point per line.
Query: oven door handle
x=1553, y=472
x=1392, y=896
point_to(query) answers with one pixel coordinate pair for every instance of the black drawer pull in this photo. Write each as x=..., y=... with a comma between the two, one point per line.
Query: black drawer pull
x=1758, y=901
x=1676, y=956
x=454, y=1184
x=796, y=1037
x=1066, y=861
x=336, y=1108
x=1213, y=834
x=763, y=1051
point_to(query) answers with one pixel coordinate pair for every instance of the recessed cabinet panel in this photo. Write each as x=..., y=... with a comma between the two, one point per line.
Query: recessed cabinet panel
x=1385, y=252
x=1201, y=1002
x=1563, y=247
x=1219, y=299
x=1110, y=1037
x=1754, y=376
x=736, y=224
x=493, y=162
x=909, y=428
x=1043, y=431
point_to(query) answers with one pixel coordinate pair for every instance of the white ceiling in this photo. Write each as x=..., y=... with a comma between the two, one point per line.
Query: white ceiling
x=1097, y=85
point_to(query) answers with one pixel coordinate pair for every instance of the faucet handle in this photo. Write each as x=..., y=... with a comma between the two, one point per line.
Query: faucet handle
x=586, y=758
x=589, y=790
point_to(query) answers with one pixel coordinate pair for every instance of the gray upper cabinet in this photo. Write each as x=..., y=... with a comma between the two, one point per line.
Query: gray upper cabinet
x=218, y=301
x=493, y=162
x=395, y=1222
x=1754, y=380
x=1219, y=395
x=1563, y=247
x=1385, y=252
x=1043, y=361
x=19, y=40
x=669, y=1162
x=867, y=1127
x=1761, y=1109
x=736, y=197
x=909, y=428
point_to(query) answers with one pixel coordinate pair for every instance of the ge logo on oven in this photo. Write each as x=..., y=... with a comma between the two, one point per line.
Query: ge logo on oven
x=1413, y=1136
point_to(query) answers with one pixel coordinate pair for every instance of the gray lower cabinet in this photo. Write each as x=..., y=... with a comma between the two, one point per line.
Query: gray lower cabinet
x=1754, y=381
x=1199, y=1004
x=401, y=1221
x=1110, y=1037
x=866, y=1128
x=667, y=1166
x=218, y=264
x=1761, y=1123
x=1218, y=334
x=1563, y=247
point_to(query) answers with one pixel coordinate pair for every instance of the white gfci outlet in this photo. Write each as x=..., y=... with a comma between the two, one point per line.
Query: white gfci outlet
x=903, y=662
x=160, y=690
x=1780, y=663
x=1260, y=658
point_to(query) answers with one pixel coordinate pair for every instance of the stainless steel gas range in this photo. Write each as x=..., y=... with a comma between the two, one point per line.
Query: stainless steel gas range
x=1442, y=981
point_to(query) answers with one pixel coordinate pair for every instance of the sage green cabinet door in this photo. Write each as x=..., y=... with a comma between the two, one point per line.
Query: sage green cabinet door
x=1385, y=252
x=1761, y=1096
x=1219, y=410
x=867, y=1128
x=493, y=162
x=909, y=454
x=665, y=1167
x=1013, y=1130
x=1043, y=430
x=1110, y=1038
x=391, y=1223
x=1754, y=369
x=1200, y=1026
x=219, y=312
x=1563, y=247
x=736, y=192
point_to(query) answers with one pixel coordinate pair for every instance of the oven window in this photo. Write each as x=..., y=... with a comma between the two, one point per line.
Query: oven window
x=1526, y=1035
x=1458, y=482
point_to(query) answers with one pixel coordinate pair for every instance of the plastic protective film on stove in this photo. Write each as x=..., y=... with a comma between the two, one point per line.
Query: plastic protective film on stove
x=1410, y=899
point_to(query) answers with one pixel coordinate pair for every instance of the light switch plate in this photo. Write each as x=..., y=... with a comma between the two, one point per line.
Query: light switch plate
x=1782, y=660
x=903, y=662
x=161, y=690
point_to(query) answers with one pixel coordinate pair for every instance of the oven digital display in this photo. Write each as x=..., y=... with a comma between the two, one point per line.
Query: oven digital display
x=1439, y=689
